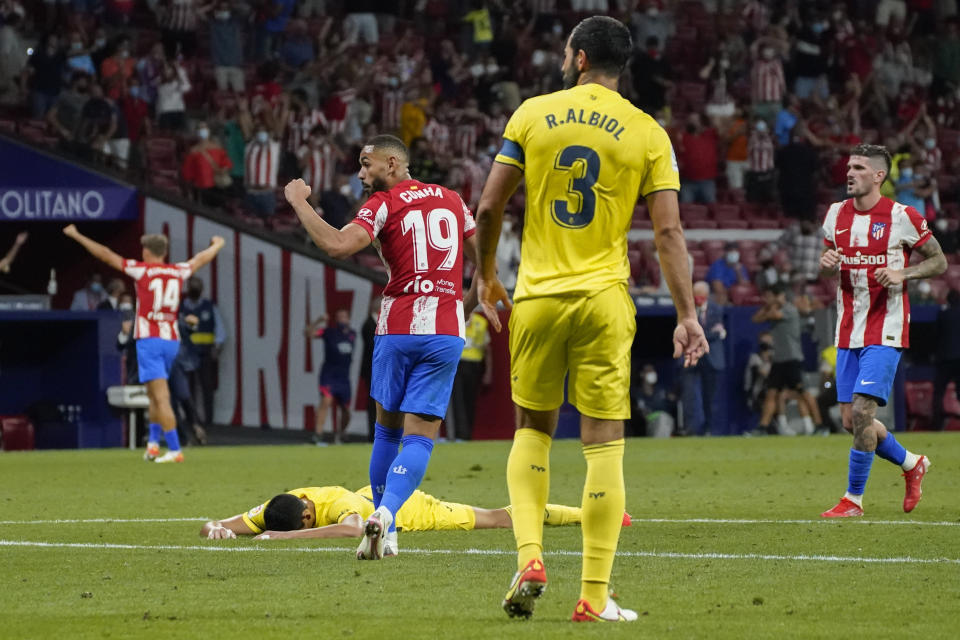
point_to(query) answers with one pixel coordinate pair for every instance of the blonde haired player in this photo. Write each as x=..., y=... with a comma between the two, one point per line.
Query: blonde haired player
x=159, y=287
x=335, y=512
x=586, y=154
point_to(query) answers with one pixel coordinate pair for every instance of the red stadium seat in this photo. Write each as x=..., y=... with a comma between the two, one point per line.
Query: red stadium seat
x=640, y=223
x=766, y=224
x=733, y=224
x=702, y=224
x=722, y=212
x=919, y=397
x=690, y=212
x=700, y=271
x=16, y=432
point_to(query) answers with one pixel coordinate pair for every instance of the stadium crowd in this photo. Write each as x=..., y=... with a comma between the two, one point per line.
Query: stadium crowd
x=223, y=101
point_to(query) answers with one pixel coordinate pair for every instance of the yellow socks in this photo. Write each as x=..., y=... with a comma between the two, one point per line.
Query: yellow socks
x=559, y=515
x=603, y=503
x=528, y=481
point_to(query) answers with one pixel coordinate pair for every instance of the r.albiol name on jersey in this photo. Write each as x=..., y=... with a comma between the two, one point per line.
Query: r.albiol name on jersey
x=596, y=119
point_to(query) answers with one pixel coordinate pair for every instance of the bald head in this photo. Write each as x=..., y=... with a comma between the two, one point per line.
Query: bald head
x=701, y=288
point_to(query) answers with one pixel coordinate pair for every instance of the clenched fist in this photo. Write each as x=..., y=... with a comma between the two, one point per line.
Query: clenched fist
x=830, y=260
x=296, y=191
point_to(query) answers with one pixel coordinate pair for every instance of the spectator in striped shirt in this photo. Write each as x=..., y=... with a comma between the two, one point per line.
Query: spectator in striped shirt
x=761, y=178
x=317, y=160
x=178, y=22
x=767, y=81
x=261, y=164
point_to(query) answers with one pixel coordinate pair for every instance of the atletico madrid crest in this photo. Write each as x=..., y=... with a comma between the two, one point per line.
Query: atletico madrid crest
x=878, y=230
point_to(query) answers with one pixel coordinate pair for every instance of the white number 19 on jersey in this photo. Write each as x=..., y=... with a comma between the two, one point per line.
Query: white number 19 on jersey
x=442, y=237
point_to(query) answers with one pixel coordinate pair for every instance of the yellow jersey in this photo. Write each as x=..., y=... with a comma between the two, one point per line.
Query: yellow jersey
x=587, y=153
x=333, y=504
x=476, y=337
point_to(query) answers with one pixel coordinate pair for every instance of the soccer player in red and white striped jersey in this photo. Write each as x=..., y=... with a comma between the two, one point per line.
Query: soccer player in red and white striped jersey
x=422, y=232
x=869, y=240
x=158, y=339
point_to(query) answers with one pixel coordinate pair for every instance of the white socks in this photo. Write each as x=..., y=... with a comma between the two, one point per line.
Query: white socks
x=910, y=461
x=857, y=500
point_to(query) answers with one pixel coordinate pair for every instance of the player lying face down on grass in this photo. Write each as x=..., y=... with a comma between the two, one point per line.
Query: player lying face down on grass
x=336, y=512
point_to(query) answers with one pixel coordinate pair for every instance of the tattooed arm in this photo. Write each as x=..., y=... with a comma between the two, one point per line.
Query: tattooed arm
x=934, y=263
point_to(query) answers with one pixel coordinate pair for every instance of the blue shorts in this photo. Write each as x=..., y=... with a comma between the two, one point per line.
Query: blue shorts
x=336, y=386
x=414, y=374
x=155, y=357
x=868, y=371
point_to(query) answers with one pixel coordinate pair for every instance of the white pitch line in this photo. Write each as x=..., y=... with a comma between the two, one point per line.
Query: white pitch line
x=821, y=521
x=110, y=520
x=483, y=552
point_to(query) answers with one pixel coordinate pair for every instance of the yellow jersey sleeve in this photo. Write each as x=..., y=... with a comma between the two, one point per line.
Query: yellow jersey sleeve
x=514, y=139
x=254, y=518
x=662, y=170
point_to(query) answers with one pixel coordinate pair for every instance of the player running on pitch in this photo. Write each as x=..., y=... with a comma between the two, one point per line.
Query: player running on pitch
x=586, y=154
x=421, y=231
x=869, y=239
x=335, y=512
x=159, y=286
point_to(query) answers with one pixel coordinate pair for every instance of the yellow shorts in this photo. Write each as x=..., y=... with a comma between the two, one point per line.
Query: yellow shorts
x=589, y=337
x=423, y=512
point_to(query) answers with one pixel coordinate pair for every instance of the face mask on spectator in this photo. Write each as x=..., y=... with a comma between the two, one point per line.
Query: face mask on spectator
x=125, y=306
x=135, y=91
x=817, y=28
x=653, y=11
x=263, y=137
x=203, y=134
x=650, y=377
x=557, y=29
x=767, y=54
x=492, y=69
x=906, y=172
x=477, y=70
x=76, y=46
x=96, y=287
x=124, y=53
x=930, y=143
x=923, y=287
x=346, y=191
x=761, y=127
x=222, y=15
x=733, y=257
x=394, y=82
x=368, y=59
x=99, y=42
x=770, y=273
x=942, y=224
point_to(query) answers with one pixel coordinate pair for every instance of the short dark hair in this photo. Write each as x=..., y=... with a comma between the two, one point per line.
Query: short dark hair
x=157, y=244
x=873, y=151
x=284, y=512
x=387, y=142
x=606, y=42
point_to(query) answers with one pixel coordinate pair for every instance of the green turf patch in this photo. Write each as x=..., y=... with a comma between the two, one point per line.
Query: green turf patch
x=727, y=543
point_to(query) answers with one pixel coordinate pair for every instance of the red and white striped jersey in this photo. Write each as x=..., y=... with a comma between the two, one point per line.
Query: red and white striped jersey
x=299, y=127
x=437, y=134
x=390, y=103
x=760, y=152
x=869, y=313
x=419, y=230
x=180, y=15
x=318, y=166
x=465, y=139
x=158, y=297
x=767, y=81
x=261, y=161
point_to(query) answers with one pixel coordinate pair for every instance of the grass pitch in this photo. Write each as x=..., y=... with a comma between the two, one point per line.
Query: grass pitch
x=726, y=543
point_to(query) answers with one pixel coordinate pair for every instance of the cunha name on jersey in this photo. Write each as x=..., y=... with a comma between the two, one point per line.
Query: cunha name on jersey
x=596, y=119
x=415, y=193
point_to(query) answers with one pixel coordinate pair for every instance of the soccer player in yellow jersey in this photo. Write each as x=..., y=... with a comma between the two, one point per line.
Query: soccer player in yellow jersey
x=585, y=154
x=335, y=512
